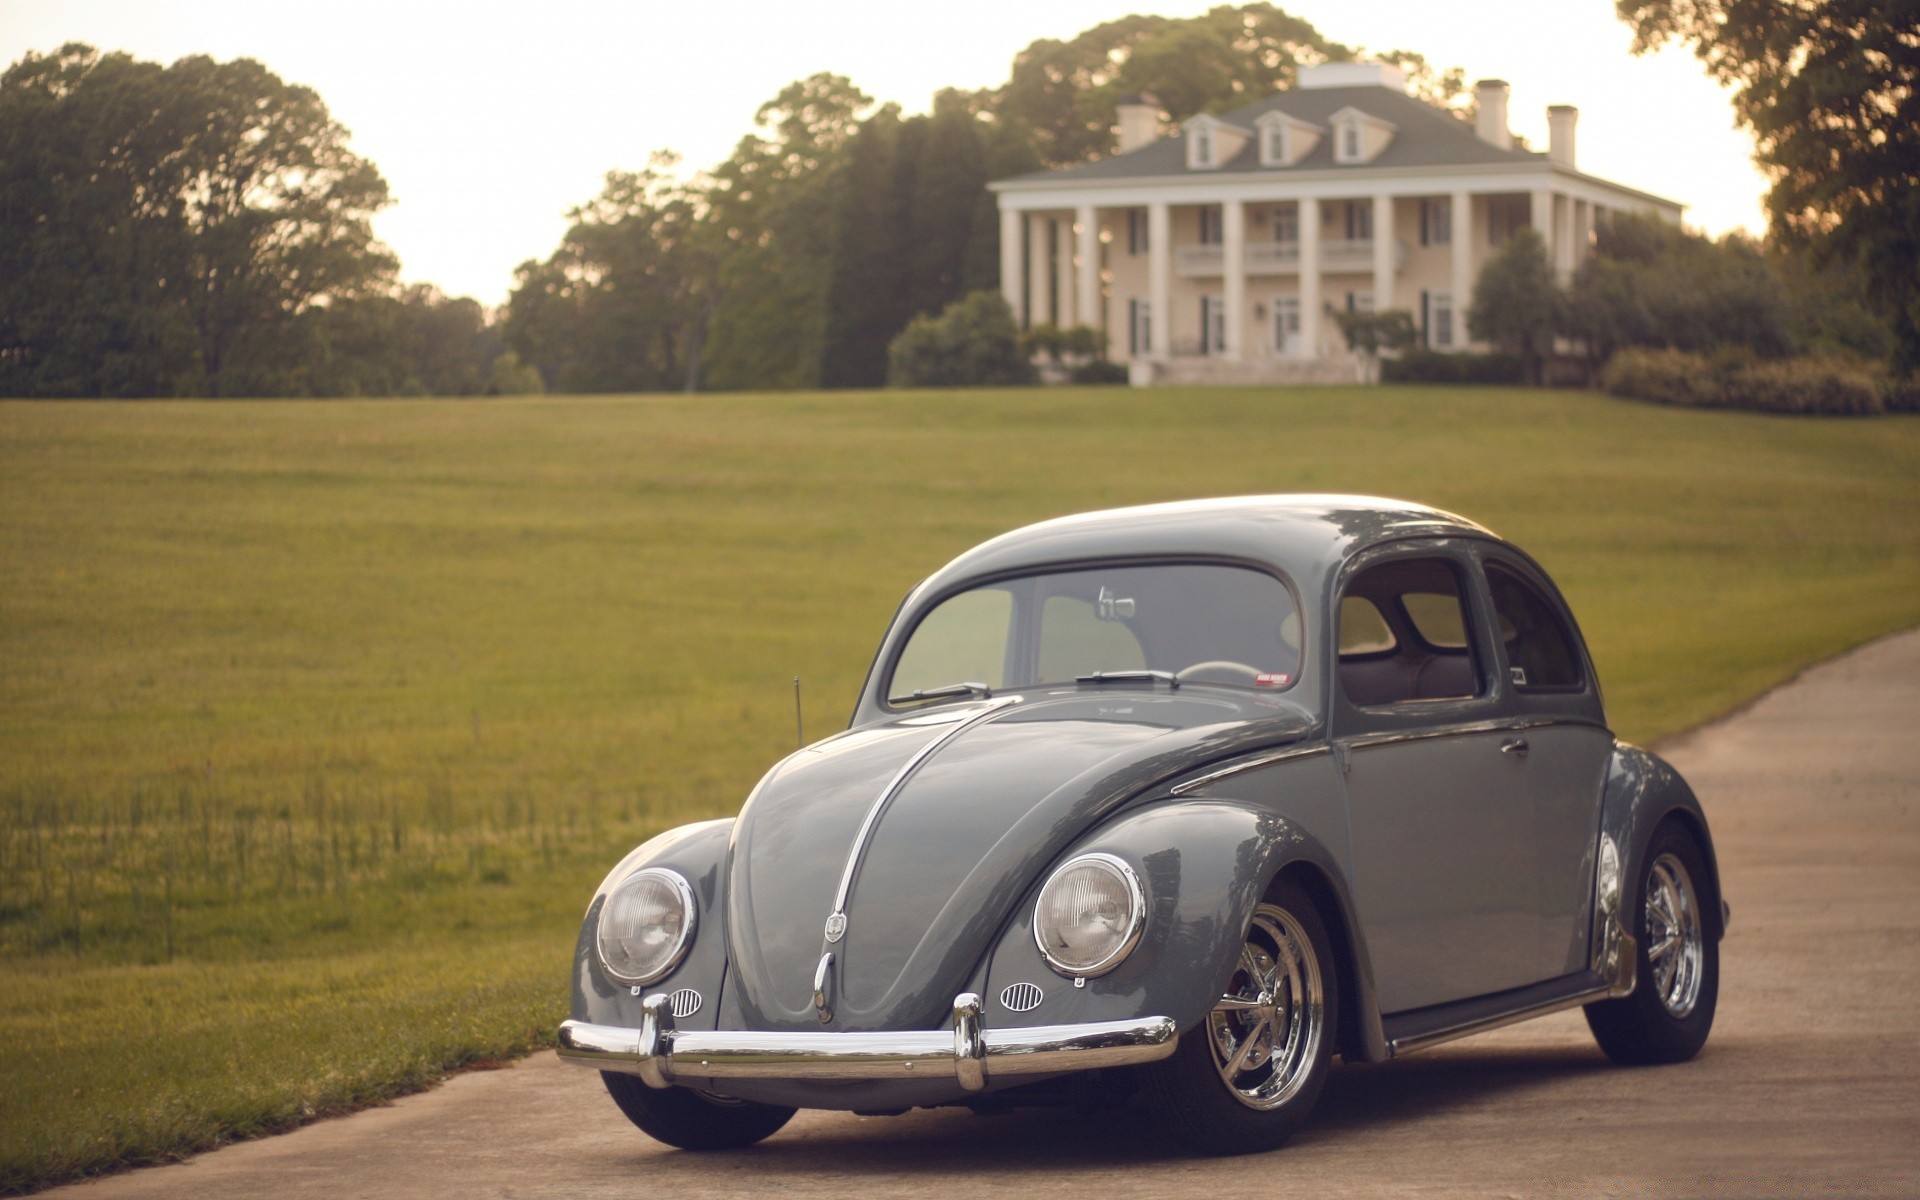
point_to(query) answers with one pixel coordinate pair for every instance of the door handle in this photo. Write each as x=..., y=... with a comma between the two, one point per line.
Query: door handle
x=1517, y=747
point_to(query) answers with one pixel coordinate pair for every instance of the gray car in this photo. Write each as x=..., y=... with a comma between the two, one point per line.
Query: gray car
x=1183, y=801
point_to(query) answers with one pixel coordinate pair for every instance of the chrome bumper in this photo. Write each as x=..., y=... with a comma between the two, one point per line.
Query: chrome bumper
x=660, y=1054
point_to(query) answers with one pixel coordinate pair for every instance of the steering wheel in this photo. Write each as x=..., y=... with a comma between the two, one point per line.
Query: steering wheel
x=1219, y=670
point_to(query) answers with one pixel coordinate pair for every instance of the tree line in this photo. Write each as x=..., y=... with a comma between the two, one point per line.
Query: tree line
x=204, y=228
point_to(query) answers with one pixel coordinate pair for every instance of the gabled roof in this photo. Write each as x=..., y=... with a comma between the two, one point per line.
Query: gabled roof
x=1427, y=137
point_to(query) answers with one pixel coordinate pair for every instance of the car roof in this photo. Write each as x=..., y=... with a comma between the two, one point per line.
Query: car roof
x=1300, y=534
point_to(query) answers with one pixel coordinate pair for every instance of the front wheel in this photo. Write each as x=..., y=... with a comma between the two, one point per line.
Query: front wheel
x=681, y=1117
x=1247, y=1077
x=1669, y=1014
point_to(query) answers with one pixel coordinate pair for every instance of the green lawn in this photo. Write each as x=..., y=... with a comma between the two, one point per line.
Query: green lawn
x=319, y=721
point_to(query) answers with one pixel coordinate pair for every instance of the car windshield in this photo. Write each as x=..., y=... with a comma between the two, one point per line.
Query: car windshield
x=1186, y=623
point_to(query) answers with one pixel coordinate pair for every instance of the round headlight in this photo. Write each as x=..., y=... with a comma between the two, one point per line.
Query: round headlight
x=1089, y=915
x=645, y=925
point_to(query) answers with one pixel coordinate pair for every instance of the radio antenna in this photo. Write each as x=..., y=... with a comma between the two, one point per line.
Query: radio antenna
x=799, y=724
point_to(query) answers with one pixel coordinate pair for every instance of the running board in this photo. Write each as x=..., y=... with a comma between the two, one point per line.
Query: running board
x=1423, y=1027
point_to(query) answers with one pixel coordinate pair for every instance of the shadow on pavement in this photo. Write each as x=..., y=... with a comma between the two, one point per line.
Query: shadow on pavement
x=1358, y=1099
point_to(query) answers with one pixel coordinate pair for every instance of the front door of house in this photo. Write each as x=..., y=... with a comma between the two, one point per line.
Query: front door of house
x=1286, y=326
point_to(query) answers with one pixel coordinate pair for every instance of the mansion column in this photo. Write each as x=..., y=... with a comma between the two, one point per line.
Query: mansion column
x=1233, y=277
x=1160, y=281
x=1563, y=240
x=1039, y=312
x=1540, y=216
x=1086, y=226
x=1013, y=265
x=1064, y=316
x=1309, y=346
x=1384, y=245
x=1461, y=232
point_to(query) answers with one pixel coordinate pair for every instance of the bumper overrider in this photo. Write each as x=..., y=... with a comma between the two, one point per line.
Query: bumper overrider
x=968, y=1052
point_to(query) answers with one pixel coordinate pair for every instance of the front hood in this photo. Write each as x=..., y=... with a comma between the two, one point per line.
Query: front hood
x=958, y=846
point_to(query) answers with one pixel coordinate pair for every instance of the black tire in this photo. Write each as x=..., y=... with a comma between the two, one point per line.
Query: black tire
x=1644, y=1028
x=681, y=1117
x=1190, y=1092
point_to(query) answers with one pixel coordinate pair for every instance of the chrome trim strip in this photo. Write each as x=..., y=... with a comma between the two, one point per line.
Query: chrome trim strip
x=837, y=920
x=1251, y=764
x=1407, y=1045
x=968, y=1053
x=1367, y=741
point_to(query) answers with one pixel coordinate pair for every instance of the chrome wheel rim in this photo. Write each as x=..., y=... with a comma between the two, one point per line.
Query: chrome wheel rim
x=1676, y=950
x=1266, y=1030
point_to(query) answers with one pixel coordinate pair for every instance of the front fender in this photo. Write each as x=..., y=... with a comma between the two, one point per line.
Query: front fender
x=698, y=853
x=1204, y=865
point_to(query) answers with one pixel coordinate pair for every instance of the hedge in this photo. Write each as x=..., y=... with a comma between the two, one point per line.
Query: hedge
x=1434, y=366
x=1811, y=386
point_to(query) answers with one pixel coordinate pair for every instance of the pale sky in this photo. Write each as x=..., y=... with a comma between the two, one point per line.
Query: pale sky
x=489, y=120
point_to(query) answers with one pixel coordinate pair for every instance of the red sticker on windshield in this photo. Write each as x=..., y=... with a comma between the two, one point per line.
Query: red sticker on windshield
x=1266, y=679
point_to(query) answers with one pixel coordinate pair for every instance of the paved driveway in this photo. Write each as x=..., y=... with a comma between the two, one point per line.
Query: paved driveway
x=1810, y=1084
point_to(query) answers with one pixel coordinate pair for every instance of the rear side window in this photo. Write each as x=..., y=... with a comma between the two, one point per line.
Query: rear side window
x=1540, y=648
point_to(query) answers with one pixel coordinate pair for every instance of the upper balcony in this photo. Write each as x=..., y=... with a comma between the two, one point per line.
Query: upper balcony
x=1343, y=255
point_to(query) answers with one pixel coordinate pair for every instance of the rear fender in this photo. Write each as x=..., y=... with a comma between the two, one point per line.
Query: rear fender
x=1642, y=792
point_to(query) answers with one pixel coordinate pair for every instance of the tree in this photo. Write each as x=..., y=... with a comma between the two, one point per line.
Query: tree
x=1650, y=283
x=162, y=229
x=1516, y=303
x=619, y=306
x=973, y=343
x=1831, y=92
x=771, y=208
x=1371, y=334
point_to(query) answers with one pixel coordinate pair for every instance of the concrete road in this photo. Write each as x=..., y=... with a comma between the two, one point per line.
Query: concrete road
x=1810, y=1084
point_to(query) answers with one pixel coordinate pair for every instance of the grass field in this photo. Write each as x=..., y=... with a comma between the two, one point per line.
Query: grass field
x=319, y=721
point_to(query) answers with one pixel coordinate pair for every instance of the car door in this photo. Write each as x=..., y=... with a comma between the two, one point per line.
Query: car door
x=1439, y=818
x=1545, y=690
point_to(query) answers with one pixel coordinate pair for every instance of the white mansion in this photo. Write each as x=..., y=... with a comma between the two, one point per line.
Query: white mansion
x=1212, y=254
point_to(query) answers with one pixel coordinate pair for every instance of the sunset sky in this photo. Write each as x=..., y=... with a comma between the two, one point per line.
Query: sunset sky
x=489, y=120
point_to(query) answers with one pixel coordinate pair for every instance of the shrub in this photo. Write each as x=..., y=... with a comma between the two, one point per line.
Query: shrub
x=1435, y=366
x=1100, y=370
x=973, y=343
x=1730, y=379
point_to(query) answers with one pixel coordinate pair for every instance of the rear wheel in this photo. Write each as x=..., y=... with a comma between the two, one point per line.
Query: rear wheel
x=1670, y=1013
x=1246, y=1078
x=690, y=1120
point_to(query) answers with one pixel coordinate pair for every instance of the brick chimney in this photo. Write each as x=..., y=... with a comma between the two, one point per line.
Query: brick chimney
x=1561, y=118
x=1139, y=120
x=1491, y=125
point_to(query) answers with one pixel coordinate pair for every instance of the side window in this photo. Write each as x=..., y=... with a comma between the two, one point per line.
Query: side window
x=1403, y=635
x=1362, y=629
x=1540, y=649
x=1436, y=618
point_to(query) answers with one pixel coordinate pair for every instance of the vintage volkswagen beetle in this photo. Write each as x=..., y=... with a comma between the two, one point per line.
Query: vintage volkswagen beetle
x=1182, y=799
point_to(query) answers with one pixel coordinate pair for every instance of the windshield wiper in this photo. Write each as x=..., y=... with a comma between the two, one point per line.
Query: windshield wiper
x=948, y=691
x=1167, y=677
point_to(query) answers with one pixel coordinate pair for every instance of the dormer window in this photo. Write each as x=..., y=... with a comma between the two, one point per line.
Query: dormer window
x=1359, y=137
x=1212, y=143
x=1285, y=140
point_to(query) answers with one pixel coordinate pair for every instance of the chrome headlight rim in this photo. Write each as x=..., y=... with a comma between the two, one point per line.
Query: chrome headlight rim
x=684, y=891
x=1137, y=915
